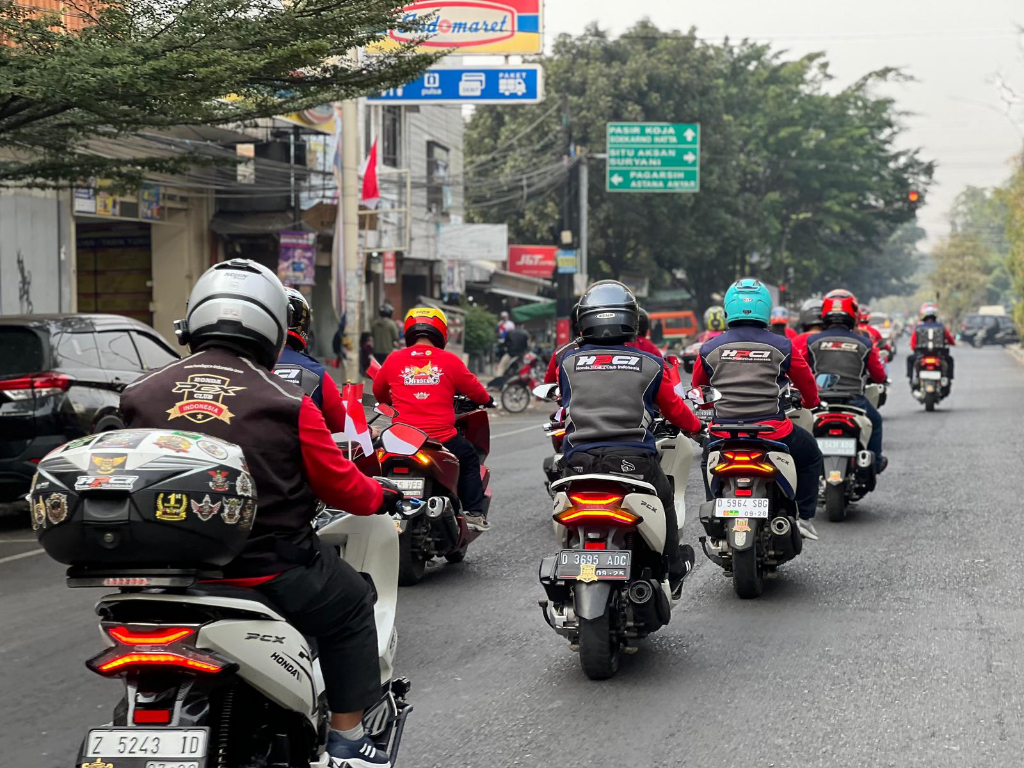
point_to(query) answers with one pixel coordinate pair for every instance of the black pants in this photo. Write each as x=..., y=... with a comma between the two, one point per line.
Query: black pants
x=638, y=465
x=807, y=458
x=329, y=601
x=944, y=354
x=471, y=486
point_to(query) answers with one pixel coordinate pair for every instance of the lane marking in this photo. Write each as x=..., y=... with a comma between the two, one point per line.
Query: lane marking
x=519, y=431
x=17, y=541
x=30, y=553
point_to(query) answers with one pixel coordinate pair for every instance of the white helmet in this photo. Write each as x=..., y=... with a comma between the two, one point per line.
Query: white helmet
x=240, y=304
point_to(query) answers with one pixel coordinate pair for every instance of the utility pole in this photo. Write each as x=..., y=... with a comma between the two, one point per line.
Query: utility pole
x=353, y=276
x=584, y=193
x=566, y=238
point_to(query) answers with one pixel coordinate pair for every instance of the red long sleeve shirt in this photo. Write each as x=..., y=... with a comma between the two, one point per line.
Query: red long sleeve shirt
x=333, y=478
x=645, y=345
x=334, y=407
x=674, y=409
x=421, y=383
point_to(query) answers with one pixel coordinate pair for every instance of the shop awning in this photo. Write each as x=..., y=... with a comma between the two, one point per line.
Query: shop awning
x=262, y=223
x=542, y=311
x=512, y=293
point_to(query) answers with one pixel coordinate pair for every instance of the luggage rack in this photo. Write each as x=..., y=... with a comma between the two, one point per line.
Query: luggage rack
x=137, y=578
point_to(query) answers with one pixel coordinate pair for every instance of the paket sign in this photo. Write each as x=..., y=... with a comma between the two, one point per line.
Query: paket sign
x=472, y=26
x=532, y=260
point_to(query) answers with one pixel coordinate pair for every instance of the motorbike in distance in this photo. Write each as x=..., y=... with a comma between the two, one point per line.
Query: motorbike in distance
x=516, y=391
x=930, y=382
x=607, y=588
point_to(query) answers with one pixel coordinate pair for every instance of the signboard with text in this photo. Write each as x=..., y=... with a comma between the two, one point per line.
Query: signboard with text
x=521, y=84
x=532, y=260
x=470, y=27
x=566, y=261
x=653, y=157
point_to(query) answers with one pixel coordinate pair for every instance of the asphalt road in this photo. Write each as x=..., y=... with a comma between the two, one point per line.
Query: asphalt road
x=891, y=642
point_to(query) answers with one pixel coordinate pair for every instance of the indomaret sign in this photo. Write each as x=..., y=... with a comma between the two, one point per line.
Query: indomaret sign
x=471, y=26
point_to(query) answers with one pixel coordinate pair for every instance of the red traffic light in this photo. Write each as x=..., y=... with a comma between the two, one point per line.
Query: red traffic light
x=913, y=196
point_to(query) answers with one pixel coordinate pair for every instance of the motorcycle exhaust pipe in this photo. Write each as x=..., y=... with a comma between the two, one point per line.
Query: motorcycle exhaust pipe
x=640, y=592
x=435, y=506
x=865, y=459
x=780, y=526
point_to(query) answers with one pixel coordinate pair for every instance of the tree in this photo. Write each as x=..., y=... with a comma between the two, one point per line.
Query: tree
x=798, y=184
x=1013, y=195
x=141, y=65
x=961, y=275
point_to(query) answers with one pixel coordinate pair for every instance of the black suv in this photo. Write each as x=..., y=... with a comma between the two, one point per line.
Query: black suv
x=980, y=330
x=60, y=378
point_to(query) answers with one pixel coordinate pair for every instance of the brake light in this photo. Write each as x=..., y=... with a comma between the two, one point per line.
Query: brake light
x=152, y=716
x=595, y=545
x=744, y=492
x=839, y=419
x=930, y=361
x=744, y=463
x=162, y=636
x=141, y=659
x=577, y=517
x=37, y=385
x=835, y=431
x=591, y=500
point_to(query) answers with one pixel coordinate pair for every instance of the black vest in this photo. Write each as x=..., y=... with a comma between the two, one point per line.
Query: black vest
x=216, y=392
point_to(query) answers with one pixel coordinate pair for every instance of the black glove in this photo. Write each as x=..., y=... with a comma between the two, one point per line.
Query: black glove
x=392, y=495
x=490, y=403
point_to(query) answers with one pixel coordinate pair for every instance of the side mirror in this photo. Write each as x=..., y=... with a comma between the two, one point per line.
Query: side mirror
x=704, y=395
x=826, y=381
x=403, y=440
x=546, y=391
x=385, y=410
x=672, y=361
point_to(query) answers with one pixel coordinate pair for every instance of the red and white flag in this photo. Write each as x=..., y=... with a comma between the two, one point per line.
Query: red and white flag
x=371, y=187
x=672, y=374
x=356, y=428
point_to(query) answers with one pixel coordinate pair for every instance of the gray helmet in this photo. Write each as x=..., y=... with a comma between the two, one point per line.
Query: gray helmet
x=608, y=312
x=239, y=304
x=810, y=314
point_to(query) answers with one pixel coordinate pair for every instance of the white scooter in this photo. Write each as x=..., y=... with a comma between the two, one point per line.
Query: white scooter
x=608, y=587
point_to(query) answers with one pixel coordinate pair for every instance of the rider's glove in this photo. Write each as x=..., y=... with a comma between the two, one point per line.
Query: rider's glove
x=490, y=404
x=392, y=495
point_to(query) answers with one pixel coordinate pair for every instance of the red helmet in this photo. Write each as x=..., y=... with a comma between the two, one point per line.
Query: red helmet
x=428, y=322
x=864, y=314
x=839, y=307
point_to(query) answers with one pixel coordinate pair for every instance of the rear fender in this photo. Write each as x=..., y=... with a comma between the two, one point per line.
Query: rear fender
x=654, y=528
x=742, y=532
x=591, y=600
x=836, y=469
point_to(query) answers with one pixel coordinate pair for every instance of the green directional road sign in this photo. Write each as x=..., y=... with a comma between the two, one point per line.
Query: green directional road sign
x=653, y=157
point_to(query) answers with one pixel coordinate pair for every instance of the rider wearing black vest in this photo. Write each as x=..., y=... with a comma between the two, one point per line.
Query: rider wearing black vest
x=930, y=337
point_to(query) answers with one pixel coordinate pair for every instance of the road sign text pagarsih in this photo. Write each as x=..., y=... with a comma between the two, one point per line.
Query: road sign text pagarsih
x=653, y=157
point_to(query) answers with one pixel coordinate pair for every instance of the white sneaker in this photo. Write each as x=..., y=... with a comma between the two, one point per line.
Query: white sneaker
x=477, y=523
x=807, y=529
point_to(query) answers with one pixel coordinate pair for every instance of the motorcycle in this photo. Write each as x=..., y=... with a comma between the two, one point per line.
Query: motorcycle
x=607, y=588
x=750, y=523
x=213, y=674
x=515, y=392
x=931, y=382
x=438, y=528
x=843, y=431
x=876, y=394
x=554, y=429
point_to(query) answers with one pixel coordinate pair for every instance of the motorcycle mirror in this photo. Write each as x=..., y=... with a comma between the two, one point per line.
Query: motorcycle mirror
x=385, y=410
x=403, y=440
x=546, y=391
x=672, y=360
x=826, y=381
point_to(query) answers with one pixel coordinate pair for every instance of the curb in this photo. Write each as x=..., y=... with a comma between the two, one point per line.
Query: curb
x=1016, y=351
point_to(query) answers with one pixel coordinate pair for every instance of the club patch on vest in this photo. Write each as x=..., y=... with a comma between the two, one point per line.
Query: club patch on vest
x=839, y=346
x=204, y=398
x=421, y=375
x=747, y=355
x=607, y=362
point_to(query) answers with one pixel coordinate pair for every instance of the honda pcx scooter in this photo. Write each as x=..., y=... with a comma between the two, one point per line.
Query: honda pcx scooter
x=437, y=528
x=608, y=587
x=214, y=675
x=843, y=432
x=930, y=383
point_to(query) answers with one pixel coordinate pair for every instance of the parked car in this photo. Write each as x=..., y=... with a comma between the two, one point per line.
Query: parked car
x=1007, y=333
x=978, y=329
x=60, y=378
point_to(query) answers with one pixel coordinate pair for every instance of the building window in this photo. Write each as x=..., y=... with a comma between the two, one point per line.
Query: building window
x=438, y=190
x=391, y=136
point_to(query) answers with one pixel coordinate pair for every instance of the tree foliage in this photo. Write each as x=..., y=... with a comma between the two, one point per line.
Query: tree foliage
x=1013, y=196
x=150, y=64
x=799, y=183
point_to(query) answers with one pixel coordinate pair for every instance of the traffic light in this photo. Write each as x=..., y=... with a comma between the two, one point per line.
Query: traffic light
x=913, y=198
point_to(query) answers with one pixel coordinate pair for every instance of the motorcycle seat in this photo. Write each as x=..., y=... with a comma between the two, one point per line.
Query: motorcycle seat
x=626, y=480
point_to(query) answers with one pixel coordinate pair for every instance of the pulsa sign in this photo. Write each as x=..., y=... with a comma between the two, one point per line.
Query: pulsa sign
x=472, y=26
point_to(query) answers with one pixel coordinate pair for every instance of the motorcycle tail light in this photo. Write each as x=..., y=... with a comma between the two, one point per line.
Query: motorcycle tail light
x=597, y=508
x=152, y=716
x=159, y=647
x=930, y=361
x=744, y=463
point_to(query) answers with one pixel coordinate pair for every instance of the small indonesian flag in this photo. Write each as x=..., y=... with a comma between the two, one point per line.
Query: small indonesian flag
x=672, y=374
x=356, y=428
x=373, y=368
x=370, y=196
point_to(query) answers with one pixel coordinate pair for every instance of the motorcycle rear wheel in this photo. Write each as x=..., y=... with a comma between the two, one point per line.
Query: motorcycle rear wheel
x=929, y=401
x=515, y=398
x=411, y=565
x=599, y=651
x=835, y=502
x=747, y=574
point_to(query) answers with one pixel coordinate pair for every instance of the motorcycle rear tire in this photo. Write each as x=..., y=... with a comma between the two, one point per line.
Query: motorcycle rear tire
x=747, y=574
x=835, y=503
x=930, y=399
x=458, y=555
x=599, y=651
x=515, y=398
x=411, y=565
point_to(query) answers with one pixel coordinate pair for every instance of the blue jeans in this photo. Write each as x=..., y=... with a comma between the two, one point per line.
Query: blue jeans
x=875, y=443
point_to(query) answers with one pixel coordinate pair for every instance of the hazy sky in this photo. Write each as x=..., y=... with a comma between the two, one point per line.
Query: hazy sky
x=954, y=49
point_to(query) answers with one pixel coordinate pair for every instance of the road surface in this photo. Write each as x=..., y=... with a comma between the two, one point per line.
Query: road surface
x=891, y=642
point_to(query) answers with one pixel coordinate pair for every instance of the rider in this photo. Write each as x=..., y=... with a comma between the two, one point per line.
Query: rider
x=384, y=332
x=780, y=323
x=750, y=366
x=810, y=324
x=299, y=367
x=642, y=342
x=932, y=337
x=865, y=326
x=236, y=325
x=714, y=323
x=841, y=351
x=421, y=382
x=610, y=392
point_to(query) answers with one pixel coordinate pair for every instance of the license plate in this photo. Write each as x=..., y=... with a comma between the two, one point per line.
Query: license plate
x=170, y=747
x=837, y=446
x=579, y=565
x=936, y=375
x=741, y=508
x=410, y=486
x=706, y=414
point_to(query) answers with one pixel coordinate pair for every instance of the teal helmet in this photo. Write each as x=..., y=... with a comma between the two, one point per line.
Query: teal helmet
x=748, y=299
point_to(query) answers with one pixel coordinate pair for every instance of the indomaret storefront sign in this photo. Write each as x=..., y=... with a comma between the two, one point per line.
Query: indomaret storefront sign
x=472, y=26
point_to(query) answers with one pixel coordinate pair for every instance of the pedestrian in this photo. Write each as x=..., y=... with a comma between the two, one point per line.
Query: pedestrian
x=384, y=332
x=658, y=333
x=505, y=325
x=365, y=352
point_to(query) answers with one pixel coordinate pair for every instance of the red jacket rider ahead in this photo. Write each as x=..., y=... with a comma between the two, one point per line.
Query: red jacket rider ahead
x=421, y=382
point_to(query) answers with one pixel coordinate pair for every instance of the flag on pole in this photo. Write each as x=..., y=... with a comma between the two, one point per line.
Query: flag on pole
x=356, y=428
x=370, y=196
x=672, y=374
x=372, y=368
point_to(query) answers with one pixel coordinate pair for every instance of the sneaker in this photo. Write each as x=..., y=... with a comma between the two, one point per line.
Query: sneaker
x=477, y=523
x=355, y=754
x=806, y=528
x=688, y=557
x=882, y=464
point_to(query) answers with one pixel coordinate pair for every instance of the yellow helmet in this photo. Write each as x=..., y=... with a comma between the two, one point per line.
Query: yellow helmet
x=429, y=322
x=714, y=319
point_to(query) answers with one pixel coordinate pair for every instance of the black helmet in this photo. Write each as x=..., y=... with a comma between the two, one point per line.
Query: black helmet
x=608, y=313
x=386, y=310
x=810, y=314
x=644, y=326
x=299, y=317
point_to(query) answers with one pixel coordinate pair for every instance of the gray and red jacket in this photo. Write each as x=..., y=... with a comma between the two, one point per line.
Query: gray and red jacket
x=848, y=355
